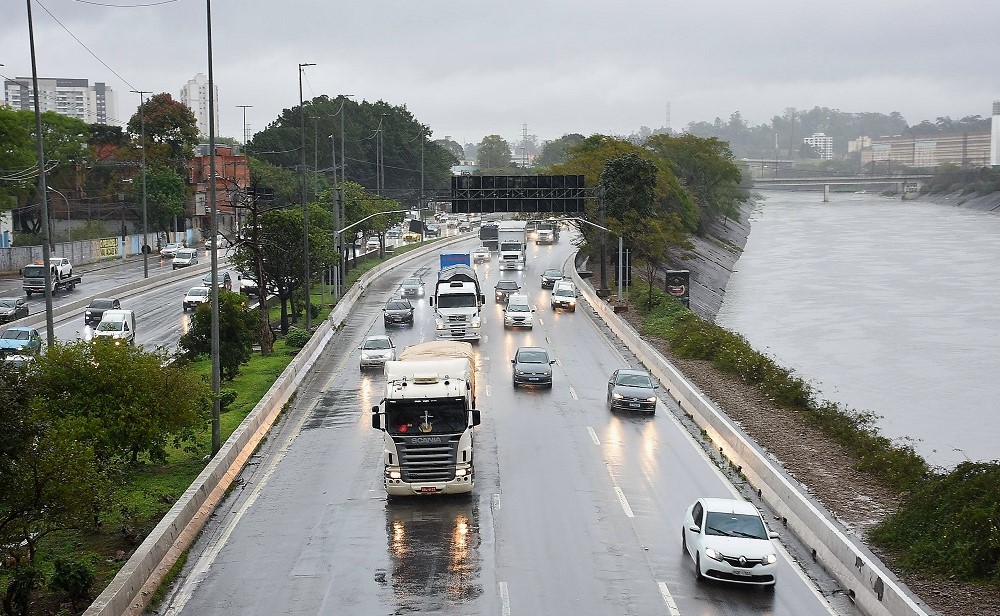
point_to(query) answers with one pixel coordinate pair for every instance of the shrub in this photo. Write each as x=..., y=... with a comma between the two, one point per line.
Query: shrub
x=297, y=337
x=73, y=577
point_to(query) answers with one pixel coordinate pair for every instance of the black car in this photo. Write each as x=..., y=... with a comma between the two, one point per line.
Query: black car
x=397, y=310
x=506, y=288
x=549, y=278
x=532, y=366
x=93, y=313
x=631, y=390
x=12, y=309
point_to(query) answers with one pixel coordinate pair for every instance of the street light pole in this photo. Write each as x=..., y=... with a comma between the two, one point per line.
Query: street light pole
x=305, y=208
x=246, y=153
x=335, y=278
x=216, y=365
x=145, y=230
x=69, y=221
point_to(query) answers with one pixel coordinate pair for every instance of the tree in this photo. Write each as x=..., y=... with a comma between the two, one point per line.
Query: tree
x=452, y=147
x=165, y=194
x=493, y=154
x=554, y=152
x=124, y=398
x=170, y=127
x=237, y=333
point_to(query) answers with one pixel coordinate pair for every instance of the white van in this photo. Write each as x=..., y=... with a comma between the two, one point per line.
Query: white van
x=118, y=325
x=185, y=257
x=518, y=312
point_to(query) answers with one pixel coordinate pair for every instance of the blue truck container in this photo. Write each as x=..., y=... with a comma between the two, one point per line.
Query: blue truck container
x=449, y=259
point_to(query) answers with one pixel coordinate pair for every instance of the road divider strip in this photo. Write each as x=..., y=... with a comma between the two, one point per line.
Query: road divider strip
x=872, y=587
x=132, y=588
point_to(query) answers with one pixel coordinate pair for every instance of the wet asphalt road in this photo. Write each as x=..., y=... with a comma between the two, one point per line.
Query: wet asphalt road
x=575, y=510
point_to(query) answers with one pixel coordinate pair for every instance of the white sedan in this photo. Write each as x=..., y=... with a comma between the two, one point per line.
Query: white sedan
x=196, y=296
x=728, y=541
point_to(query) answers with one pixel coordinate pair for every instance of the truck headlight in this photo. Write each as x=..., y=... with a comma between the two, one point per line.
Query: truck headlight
x=394, y=475
x=476, y=322
x=440, y=326
x=460, y=472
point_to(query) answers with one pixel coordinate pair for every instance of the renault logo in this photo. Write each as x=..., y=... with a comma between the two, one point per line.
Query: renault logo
x=743, y=561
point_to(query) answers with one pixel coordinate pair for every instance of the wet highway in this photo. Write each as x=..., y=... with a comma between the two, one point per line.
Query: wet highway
x=575, y=510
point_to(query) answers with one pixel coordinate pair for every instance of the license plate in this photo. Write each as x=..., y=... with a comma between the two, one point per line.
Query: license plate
x=429, y=489
x=532, y=378
x=742, y=572
x=633, y=405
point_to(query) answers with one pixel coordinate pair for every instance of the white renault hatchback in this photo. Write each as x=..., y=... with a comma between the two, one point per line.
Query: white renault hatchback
x=728, y=541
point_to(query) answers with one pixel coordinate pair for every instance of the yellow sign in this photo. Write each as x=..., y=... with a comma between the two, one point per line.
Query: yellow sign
x=109, y=247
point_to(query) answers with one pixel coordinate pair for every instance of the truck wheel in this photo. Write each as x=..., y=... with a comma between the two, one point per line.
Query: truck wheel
x=28, y=293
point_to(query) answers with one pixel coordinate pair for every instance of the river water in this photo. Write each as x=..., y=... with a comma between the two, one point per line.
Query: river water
x=883, y=305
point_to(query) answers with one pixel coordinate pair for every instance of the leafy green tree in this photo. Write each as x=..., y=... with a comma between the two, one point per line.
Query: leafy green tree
x=707, y=170
x=171, y=130
x=493, y=155
x=125, y=399
x=452, y=147
x=237, y=333
x=165, y=193
x=554, y=152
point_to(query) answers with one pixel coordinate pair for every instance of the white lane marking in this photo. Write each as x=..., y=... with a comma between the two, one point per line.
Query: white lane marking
x=496, y=502
x=541, y=322
x=593, y=436
x=668, y=599
x=548, y=340
x=572, y=392
x=486, y=389
x=504, y=599
x=624, y=502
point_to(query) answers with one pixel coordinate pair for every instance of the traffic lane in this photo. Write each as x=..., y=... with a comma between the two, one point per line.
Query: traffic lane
x=318, y=516
x=655, y=450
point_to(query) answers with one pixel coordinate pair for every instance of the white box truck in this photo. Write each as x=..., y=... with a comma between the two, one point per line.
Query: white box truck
x=458, y=304
x=427, y=419
x=513, y=240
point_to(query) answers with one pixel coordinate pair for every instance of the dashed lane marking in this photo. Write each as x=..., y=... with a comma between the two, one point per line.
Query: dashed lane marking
x=504, y=599
x=668, y=599
x=593, y=436
x=572, y=392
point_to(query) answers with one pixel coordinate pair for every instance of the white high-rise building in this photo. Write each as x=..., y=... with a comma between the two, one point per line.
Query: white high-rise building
x=995, y=136
x=822, y=143
x=76, y=98
x=195, y=95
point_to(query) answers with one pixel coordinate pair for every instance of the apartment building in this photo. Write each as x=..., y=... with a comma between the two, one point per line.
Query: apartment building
x=194, y=94
x=76, y=98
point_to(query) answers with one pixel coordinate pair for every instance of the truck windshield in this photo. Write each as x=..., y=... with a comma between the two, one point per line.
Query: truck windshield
x=417, y=417
x=513, y=246
x=464, y=300
x=34, y=271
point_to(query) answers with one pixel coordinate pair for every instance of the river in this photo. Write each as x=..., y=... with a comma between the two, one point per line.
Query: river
x=883, y=305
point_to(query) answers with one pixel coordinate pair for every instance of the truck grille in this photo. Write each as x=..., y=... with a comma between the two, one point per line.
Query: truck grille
x=457, y=318
x=423, y=459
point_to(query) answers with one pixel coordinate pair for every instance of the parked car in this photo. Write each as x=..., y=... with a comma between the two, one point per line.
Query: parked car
x=550, y=277
x=20, y=341
x=518, y=312
x=185, y=257
x=563, y=296
x=505, y=288
x=12, y=309
x=412, y=287
x=631, y=390
x=92, y=314
x=171, y=249
x=375, y=351
x=397, y=310
x=728, y=540
x=532, y=366
x=197, y=296
x=481, y=255
x=118, y=326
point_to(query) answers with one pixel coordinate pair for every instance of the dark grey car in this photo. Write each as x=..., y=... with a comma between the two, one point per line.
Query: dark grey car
x=12, y=309
x=397, y=311
x=631, y=390
x=505, y=288
x=549, y=278
x=412, y=287
x=532, y=366
x=93, y=313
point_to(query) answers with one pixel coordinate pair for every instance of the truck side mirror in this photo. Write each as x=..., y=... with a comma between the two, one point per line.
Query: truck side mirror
x=376, y=418
x=512, y=362
x=475, y=417
x=430, y=300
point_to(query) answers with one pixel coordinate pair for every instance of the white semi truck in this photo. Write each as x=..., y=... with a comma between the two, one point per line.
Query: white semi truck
x=513, y=240
x=427, y=419
x=458, y=304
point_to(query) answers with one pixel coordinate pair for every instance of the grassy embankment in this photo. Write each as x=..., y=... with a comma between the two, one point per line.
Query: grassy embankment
x=949, y=521
x=151, y=489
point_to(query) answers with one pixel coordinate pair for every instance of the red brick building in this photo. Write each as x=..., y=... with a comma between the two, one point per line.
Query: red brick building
x=232, y=171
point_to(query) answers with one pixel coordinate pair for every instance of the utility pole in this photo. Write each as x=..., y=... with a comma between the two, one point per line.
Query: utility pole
x=216, y=367
x=145, y=228
x=246, y=153
x=341, y=265
x=50, y=336
x=305, y=207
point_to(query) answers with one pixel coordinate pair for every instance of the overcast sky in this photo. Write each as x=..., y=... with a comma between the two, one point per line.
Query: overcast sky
x=473, y=68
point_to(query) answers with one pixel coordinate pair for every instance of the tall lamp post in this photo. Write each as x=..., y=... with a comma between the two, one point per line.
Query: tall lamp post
x=246, y=153
x=340, y=197
x=305, y=208
x=621, y=251
x=145, y=229
x=216, y=367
